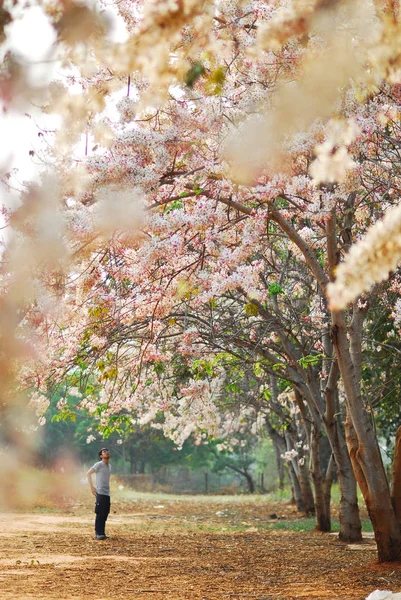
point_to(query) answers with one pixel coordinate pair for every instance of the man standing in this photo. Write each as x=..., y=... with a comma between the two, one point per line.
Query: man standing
x=101, y=492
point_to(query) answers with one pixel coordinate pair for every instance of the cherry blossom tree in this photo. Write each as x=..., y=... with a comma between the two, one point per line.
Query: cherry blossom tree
x=175, y=205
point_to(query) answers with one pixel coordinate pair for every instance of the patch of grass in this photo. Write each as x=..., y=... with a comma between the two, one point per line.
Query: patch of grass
x=130, y=495
x=44, y=510
x=367, y=526
x=217, y=528
x=279, y=495
x=309, y=524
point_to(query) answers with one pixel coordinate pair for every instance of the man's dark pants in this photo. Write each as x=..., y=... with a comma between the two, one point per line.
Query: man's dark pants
x=102, y=509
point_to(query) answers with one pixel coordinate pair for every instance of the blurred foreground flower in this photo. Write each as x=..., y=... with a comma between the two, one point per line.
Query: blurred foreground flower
x=369, y=261
x=333, y=161
x=384, y=595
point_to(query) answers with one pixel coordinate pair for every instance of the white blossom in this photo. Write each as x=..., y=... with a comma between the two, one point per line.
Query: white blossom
x=369, y=261
x=289, y=455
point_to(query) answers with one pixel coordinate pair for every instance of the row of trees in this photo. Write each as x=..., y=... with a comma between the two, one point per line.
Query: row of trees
x=189, y=252
x=246, y=462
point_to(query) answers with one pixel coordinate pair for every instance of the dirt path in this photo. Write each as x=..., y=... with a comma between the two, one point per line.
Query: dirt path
x=182, y=550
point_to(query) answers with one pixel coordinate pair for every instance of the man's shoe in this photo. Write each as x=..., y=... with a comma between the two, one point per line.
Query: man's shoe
x=102, y=537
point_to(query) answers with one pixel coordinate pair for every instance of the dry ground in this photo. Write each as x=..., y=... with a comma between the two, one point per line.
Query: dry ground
x=182, y=548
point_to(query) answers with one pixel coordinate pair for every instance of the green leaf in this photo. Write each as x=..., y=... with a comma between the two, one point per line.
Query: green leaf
x=66, y=414
x=159, y=367
x=215, y=82
x=251, y=309
x=257, y=369
x=176, y=205
x=196, y=71
x=107, y=431
x=267, y=394
x=275, y=289
x=311, y=359
x=233, y=387
x=281, y=202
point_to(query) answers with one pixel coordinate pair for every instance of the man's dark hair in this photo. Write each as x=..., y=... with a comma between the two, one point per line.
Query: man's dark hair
x=100, y=451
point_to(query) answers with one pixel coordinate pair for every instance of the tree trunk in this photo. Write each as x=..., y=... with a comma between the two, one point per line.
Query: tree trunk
x=250, y=482
x=306, y=490
x=302, y=484
x=279, y=449
x=361, y=439
x=365, y=455
x=132, y=460
x=309, y=499
x=246, y=474
x=279, y=464
x=328, y=482
x=323, y=522
x=396, y=483
x=124, y=461
x=350, y=523
x=277, y=439
x=296, y=488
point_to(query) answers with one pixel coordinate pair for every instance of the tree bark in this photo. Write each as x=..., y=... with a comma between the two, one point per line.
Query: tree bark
x=365, y=455
x=279, y=449
x=304, y=480
x=328, y=482
x=250, y=482
x=296, y=488
x=323, y=522
x=396, y=483
x=285, y=442
x=306, y=490
x=246, y=474
x=350, y=523
x=277, y=440
x=293, y=471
